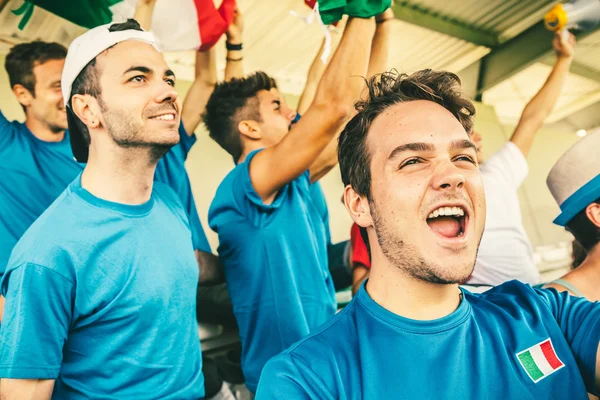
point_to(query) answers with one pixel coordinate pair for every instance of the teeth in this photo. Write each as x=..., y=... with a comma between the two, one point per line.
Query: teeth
x=447, y=211
x=166, y=117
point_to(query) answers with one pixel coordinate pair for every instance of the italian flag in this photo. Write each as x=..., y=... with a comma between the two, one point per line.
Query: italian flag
x=177, y=24
x=540, y=360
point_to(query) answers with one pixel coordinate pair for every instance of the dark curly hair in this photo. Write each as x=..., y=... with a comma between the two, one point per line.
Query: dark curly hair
x=386, y=90
x=232, y=102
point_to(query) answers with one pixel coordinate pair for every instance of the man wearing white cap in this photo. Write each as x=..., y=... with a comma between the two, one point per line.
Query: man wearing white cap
x=575, y=184
x=100, y=291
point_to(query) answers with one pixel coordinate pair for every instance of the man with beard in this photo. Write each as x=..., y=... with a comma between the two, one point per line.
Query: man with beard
x=37, y=163
x=100, y=291
x=412, y=180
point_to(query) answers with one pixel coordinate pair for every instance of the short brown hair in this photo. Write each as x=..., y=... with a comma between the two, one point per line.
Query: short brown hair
x=386, y=90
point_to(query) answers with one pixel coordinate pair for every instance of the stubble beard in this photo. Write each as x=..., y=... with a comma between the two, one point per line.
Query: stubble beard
x=405, y=257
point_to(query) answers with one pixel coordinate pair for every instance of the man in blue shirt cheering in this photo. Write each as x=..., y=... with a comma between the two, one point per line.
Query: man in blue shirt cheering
x=36, y=161
x=272, y=239
x=100, y=291
x=412, y=180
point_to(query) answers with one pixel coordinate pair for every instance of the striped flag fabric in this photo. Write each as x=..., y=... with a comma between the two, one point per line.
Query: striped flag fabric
x=540, y=361
x=177, y=24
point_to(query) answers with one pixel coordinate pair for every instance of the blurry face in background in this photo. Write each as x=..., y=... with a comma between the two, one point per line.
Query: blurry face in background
x=276, y=116
x=140, y=107
x=46, y=105
x=427, y=200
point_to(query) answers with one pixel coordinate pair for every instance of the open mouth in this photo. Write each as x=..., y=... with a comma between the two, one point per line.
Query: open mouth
x=449, y=221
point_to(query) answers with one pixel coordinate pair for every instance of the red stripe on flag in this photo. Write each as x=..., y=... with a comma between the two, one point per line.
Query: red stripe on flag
x=550, y=355
x=212, y=22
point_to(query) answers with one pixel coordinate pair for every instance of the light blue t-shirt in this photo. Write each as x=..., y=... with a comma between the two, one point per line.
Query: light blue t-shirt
x=101, y=297
x=511, y=342
x=275, y=260
x=318, y=198
x=33, y=173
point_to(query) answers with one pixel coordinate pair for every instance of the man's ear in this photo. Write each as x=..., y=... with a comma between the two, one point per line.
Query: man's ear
x=593, y=213
x=87, y=110
x=358, y=207
x=250, y=129
x=23, y=95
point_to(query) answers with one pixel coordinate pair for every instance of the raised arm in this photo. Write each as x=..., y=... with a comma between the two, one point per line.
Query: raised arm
x=143, y=13
x=377, y=64
x=280, y=164
x=234, y=67
x=315, y=72
x=197, y=96
x=26, y=389
x=542, y=104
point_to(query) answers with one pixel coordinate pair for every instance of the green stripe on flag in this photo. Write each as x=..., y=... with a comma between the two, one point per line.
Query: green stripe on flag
x=532, y=369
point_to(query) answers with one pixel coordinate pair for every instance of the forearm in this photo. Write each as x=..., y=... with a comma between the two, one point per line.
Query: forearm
x=26, y=389
x=197, y=96
x=143, y=13
x=542, y=104
x=312, y=81
x=211, y=269
x=380, y=48
x=341, y=82
x=234, y=66
x=540, y=107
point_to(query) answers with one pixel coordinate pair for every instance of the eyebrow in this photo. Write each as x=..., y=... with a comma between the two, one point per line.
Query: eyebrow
x=421, y=146
x=417, y=146
x=146, y=70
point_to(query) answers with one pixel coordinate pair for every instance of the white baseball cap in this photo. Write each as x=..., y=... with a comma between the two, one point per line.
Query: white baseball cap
x=574, y=181
x=82, y=51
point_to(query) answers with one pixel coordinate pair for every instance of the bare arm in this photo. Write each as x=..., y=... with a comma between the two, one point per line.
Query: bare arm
x=377, y=64
x=26, y=389
x=234, y=67
x=280, y=164
x=143, y=13
x=315, y=72
x=211, y=269
x=542, y=104
x=197, y=96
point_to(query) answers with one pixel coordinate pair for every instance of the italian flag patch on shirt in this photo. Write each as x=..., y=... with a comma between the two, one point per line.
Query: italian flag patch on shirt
x=540, y=360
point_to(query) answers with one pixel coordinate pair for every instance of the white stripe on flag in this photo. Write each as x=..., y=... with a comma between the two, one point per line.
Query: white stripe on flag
x=540, y=360
x=174, y=22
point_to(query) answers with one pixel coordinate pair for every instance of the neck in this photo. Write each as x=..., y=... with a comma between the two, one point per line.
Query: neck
x=249, y=147
x=42, y=131
x=404, y=295
x=591, y=264
x=122, y=176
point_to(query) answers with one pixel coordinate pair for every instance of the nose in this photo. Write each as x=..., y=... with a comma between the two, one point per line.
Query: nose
x=290, y=113
x=166, y=94
x=448, y=177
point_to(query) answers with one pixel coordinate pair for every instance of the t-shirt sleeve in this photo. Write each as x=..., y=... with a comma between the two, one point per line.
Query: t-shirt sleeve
x=579, y=320
x=281, y=378
x=250, y=203
x=6, y=131
x=35, y=324
x=360, y=254
x=186, y=141
x=507, y=165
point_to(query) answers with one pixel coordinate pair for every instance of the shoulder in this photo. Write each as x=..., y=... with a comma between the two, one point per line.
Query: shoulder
x=514, y=295
x=40, y=244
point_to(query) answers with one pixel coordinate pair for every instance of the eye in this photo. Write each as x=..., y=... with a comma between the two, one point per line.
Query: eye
x=170, y=81
x=138, y=79
x=465, y=158
x=412, y=161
